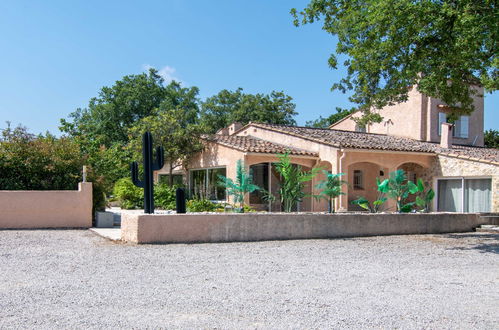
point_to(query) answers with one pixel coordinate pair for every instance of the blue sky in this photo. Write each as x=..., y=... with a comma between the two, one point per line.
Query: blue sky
x=56, y=55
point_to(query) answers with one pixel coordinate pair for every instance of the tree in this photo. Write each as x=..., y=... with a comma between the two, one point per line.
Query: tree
x=492, y=138
x=43, y=162
x=322, y=122
x=102, y=130
x=227, y=107
x=444, y=48
x=174, y=129
x=108, y=117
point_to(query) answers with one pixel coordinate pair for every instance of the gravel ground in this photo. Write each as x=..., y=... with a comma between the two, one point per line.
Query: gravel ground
x=74, y=279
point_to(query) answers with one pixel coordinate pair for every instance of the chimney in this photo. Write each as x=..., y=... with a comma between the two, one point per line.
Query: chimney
x=446, y=135
x=234, y=127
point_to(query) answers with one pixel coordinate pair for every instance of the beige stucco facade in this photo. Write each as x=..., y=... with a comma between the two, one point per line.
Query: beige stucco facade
x=407, y=139
x=47, y=209
x=417, y=118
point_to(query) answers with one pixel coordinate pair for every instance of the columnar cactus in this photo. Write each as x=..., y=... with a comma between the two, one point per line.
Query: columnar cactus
x=149, y=167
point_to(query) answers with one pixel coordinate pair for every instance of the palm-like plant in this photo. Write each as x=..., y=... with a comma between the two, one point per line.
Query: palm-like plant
x=330, y=188
x=376, y=205
x=398, y=188
x=424, y=197
x=293, y=181
x=242, y=185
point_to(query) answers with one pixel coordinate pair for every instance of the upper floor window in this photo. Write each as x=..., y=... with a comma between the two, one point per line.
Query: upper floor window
x=359, y=128
x=461, y=125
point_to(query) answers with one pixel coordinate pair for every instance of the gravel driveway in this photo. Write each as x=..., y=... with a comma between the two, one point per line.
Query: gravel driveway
x=74, y=279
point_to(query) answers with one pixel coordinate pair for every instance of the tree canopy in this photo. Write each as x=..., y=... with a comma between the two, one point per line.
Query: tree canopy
x=325, y=122
x=492, y=138
x=109, y=116
x=227, y=107
x=176, y=129
x=442, y=47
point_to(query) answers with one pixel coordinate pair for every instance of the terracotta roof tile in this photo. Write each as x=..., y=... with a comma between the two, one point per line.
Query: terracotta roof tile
x=252, y=144
x=359, y=140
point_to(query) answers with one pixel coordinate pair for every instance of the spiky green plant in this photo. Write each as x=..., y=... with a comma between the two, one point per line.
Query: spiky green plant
x=242, y=185
x=293, y=181
x=330, y=188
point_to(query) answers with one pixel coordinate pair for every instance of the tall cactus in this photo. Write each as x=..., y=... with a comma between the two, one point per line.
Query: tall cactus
x=149, y=167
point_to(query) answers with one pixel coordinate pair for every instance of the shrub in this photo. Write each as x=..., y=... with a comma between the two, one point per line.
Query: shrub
x=164, y=196
x=201, y=205
x=128, y=194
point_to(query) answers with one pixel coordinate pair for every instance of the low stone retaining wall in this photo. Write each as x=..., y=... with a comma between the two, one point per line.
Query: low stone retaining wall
x=46, y=209
x=190, y=228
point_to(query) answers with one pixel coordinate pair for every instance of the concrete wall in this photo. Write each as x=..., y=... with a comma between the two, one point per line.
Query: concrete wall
x=47, y=209
x=190, y=228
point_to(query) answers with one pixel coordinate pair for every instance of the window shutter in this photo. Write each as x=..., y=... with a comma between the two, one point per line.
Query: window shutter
x=463, y=132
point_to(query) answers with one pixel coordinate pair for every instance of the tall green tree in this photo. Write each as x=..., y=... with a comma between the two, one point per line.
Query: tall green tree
x=443, y=47
x=492, y=138
x=108, y=116
x=177, y=130
x=322, y=122
x=227, y=107
x=103, y=128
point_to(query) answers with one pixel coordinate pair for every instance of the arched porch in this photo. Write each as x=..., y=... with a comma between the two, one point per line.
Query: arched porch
x=362, y=168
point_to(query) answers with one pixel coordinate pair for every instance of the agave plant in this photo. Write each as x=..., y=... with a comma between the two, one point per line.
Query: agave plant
x=376, y=205
x=242, y=185
x=331, y=188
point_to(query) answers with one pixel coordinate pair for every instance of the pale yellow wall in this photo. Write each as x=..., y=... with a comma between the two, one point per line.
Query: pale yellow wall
x=47, y=209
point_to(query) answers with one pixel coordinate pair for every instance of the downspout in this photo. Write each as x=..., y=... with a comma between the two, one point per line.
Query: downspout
x=340, y=170
x=312, y=189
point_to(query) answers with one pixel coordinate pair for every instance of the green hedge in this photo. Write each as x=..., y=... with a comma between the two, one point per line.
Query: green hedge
x=132, y=197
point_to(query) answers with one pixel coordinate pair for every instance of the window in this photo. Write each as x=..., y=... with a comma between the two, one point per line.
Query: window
x=359, y=128
x=204, y=184
x=358, y=183
x=178, y=179
x=461, y=125
x=475, y=197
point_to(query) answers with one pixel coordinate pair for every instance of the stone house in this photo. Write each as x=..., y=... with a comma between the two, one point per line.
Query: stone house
x=413, y=136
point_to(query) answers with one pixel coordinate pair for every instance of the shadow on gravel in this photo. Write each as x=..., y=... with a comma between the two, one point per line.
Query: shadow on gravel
x=489, y=244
